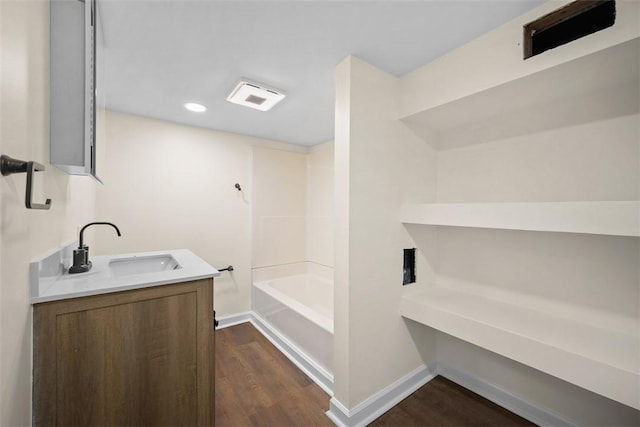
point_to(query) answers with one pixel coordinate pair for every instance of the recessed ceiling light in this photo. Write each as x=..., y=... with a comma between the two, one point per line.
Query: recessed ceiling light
x=197, y=108
x=255, y=96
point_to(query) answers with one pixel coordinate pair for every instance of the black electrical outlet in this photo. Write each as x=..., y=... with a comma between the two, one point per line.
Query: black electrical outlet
x=409, y=266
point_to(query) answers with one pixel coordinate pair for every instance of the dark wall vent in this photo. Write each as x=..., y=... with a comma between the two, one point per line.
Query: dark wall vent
x=569, y=23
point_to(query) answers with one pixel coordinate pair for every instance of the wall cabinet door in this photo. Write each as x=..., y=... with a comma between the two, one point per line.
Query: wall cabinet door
x=73, y=86
x=135, y=358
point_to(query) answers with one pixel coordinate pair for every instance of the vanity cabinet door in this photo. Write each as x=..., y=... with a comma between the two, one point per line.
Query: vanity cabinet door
x=134, y=358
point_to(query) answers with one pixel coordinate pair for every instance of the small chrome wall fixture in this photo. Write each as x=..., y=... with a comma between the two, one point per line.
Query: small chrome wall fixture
x=10, y=166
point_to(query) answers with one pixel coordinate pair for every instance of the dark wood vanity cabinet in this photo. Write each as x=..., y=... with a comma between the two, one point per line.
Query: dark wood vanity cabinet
x=143, y=357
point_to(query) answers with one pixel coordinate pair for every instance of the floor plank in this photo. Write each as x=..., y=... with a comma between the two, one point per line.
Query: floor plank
x=256, y=385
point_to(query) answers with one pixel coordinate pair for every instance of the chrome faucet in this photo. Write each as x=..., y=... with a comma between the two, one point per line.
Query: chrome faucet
x=81, y=263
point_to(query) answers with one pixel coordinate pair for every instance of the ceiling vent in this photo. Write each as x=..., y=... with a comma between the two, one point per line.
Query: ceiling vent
x=254, y=96
x=571, y=22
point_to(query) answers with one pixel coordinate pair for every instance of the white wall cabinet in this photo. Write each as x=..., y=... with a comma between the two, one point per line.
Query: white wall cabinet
x=73, y=89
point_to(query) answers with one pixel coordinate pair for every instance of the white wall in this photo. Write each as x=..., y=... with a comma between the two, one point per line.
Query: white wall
x=27, y=234
x=594, y=161
x=379, y=165
x=319, y=228
x=172, y=186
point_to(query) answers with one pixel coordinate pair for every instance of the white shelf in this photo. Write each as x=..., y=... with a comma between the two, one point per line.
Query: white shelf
x=595, y=87
x=617, y=218
x=602, y=360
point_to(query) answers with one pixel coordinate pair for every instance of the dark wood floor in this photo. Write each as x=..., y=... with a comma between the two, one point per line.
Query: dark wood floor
x=442, y=403
x=257, y=386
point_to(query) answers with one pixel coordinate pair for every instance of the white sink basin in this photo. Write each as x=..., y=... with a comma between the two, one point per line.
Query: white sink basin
x=141, y=265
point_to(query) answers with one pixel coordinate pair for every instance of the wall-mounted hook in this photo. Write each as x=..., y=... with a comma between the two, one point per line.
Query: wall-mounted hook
x=10, y=166
x=238, y=187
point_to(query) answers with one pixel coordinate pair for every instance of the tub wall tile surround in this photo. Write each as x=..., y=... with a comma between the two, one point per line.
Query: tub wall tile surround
x=294, y=269
x=320, y=204
x=320, y=270
x=293, y=206
x=279, y=207
x=261, y=274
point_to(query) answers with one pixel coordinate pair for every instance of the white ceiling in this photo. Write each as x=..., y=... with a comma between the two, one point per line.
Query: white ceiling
x=157, y=55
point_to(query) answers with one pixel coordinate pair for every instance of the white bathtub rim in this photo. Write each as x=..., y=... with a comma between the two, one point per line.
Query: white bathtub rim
x=304, y=311
x=261, y=274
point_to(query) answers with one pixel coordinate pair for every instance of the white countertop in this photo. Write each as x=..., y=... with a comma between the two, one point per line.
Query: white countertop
x=50, y=280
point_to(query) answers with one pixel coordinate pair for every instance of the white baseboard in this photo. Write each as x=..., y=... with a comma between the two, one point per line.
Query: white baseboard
x=387, y=398
x=379, y=403
x=501, y=397
x=234, y=319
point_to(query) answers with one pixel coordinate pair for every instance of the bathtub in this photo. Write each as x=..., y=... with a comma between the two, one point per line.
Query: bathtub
x=300, y=309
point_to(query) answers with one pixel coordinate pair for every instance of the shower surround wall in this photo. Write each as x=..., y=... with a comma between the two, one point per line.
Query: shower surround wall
x=319, y=230
x=279, y=207
x=293, y=207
